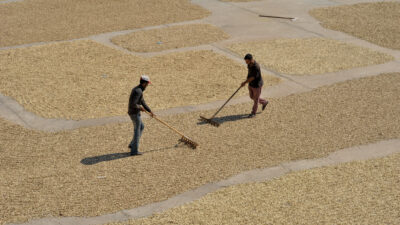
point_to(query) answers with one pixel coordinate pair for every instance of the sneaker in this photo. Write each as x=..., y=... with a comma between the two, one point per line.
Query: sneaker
x=265, y=106
x=251, y=115
x=136, y=153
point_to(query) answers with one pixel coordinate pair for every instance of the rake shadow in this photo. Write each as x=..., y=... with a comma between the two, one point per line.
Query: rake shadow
x=225, y=119
x=114, y=156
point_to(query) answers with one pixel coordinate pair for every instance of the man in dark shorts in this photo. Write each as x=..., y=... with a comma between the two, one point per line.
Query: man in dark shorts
x=136, y=105
x=255, y=81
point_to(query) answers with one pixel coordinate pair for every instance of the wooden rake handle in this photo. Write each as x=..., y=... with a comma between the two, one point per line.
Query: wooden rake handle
x=278, y=17
x=166, y=124
x=219, y=110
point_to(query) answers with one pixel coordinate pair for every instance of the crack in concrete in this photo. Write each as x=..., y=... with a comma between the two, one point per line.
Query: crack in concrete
x=356, y=153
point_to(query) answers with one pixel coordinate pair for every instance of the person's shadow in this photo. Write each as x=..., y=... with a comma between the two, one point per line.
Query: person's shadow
x=114, y=156
x=224, y=119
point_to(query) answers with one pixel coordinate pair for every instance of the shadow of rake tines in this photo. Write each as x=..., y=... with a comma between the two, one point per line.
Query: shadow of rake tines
x=114, y=156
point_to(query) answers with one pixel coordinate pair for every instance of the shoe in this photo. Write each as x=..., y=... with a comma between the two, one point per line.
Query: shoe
x=251, y=115
x=136, y=153
x=265, y=106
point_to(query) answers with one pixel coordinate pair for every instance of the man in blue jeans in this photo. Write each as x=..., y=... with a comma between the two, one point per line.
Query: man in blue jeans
x=136, y=105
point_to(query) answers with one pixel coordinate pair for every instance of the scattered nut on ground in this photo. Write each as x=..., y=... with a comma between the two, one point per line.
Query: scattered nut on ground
x=84, y=79
x=353, y=193
x=375, y=22
x=53, y=174
x=170, y=37
x=310, y=56
x=52, y=20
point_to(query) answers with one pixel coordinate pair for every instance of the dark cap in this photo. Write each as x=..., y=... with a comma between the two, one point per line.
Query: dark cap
x=248, y=56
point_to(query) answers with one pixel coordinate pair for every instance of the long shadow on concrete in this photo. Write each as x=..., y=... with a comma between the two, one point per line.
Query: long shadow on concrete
x=224, y=119
x=114, y=156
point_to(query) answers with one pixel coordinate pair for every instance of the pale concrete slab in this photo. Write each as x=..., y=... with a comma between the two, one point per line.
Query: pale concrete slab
x=307, y=23
x=306, y=164
x=9, y=1
x=257, y=175
x=243, y=23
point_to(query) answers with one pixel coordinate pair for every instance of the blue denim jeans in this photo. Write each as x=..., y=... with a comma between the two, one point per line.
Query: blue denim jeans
x=138, y=127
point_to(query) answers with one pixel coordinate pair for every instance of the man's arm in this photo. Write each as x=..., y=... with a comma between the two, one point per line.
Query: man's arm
x=146, y=107
x=247, y=81
x=254, y=73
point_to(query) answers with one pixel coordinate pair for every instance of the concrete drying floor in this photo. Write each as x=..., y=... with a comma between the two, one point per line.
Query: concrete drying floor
x=74, y=172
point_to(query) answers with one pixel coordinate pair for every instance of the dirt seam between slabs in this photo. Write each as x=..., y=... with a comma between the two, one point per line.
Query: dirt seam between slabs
x=356, y=153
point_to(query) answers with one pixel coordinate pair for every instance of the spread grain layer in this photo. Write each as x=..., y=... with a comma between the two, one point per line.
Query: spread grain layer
x=353, y=193
x=31, y=21
x=310, y=56
x=84, y=79
x=374, y=22
x=171, y=37
x=86, y=172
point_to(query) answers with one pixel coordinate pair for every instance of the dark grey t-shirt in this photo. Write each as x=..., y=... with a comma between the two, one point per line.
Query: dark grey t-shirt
x=255, y=71
x=136, y=99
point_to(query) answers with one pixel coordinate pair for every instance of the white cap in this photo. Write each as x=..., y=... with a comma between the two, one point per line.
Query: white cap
x=145, y=78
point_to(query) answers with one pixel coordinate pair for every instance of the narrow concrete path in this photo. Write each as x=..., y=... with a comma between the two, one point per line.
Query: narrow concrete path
x=365, y=152
x=9, y=1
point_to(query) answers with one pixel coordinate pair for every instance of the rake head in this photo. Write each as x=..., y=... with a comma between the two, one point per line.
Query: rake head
x=210, y=121
x=188, y=142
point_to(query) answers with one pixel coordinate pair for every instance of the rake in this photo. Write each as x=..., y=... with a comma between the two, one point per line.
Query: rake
x=184, y=139
x=211, y=121
x=280, y=17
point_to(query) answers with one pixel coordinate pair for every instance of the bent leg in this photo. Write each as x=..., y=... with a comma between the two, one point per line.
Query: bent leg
x=255, y=96
x=261, y=100
x=251, y=94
